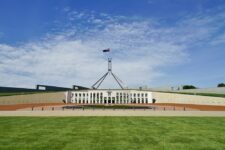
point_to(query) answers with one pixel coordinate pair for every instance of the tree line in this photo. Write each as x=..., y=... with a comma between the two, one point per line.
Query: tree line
x=185, y=87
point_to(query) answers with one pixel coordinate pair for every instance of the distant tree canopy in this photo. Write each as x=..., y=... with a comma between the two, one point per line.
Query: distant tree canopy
x=221, y=85
x=189, y=87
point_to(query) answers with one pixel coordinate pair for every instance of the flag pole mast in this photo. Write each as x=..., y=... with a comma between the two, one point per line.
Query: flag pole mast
x=99, y=82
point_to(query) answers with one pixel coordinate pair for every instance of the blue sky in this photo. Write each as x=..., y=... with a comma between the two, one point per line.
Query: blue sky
x=154, y=42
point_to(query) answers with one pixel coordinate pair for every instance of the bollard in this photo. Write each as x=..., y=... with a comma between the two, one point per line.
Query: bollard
x=174, y=108
x=184, y=109
x=42, y=108
x=164, y=108
x=52, y=108
x=73, y=108
x=32, y=108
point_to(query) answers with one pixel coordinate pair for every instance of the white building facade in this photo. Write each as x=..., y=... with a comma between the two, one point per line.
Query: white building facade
x=104, y=96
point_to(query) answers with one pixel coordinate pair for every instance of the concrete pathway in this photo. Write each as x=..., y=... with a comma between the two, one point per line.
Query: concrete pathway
x=113, y=113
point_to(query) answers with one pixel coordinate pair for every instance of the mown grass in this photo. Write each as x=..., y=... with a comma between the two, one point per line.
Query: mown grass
x=200, y=94
x=16, y=93
x=206, y=94
x=188, y=93
x=24, y=93
x=98, y=133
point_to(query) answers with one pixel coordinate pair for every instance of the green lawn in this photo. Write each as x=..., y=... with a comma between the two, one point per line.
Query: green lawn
x=24, y=93
x=206, y=94
x=200, y=94
x=56, y=133
x=15, y=93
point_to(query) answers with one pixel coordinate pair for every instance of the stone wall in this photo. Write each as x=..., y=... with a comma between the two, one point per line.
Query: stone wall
x=187, y=99
x=56, y=97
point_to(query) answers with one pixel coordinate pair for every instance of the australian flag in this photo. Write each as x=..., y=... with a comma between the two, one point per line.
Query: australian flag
x=106, y=50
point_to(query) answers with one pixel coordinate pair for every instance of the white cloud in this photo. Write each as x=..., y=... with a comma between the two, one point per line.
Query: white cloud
x=73, y=56
x=219, y=39
x=66, y=9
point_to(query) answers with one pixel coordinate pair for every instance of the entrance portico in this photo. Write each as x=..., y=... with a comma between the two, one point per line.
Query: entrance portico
x=108, y=96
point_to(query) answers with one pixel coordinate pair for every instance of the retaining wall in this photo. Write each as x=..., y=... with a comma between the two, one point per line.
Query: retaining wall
x=56, y=97
x=187, y=99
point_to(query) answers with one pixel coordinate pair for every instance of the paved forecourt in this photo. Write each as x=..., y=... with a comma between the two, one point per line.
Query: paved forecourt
x=113, y=113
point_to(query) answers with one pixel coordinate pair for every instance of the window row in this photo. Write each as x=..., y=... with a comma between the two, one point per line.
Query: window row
x=117, y=94
x=110, y=101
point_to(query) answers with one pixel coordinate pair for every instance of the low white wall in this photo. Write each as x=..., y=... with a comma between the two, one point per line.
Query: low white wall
x=187, y=99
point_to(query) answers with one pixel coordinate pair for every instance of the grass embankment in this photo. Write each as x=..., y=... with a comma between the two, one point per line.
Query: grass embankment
x=69, y=133
x=23, y=93
x=200, y=94
x=204, y=94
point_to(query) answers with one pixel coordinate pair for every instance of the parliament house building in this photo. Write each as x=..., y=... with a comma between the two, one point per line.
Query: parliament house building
x=109, y=96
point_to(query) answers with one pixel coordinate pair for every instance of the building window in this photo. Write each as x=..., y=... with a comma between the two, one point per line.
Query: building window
x=146, y=94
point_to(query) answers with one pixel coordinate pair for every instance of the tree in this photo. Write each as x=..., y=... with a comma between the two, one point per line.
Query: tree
x=189, y=87
x=221, y=85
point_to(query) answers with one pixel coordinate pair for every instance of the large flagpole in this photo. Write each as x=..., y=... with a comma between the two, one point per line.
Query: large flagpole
x=109, y=72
